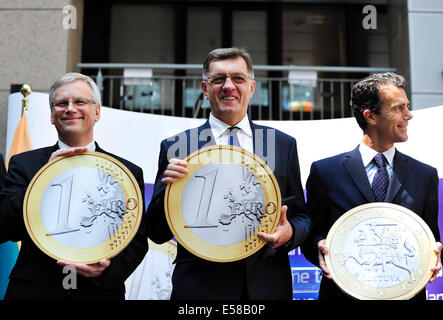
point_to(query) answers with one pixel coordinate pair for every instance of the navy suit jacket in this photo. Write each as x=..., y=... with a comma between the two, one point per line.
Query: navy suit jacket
x=340, y=183
x=263, y=275
x=35, y=274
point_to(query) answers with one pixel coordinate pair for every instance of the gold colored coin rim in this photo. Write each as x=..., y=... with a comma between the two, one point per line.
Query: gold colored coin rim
x=59, y=251
x=429, y=260
x=199, y=247
x=169, y=248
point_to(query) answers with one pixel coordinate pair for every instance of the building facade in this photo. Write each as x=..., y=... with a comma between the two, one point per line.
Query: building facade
x=42, y=39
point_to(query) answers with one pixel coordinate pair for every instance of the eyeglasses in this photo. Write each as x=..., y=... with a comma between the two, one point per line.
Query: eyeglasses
x=76, y=102
x=219, y=79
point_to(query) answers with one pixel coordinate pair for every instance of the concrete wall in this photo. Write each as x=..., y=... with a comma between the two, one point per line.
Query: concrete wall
x=35, y=46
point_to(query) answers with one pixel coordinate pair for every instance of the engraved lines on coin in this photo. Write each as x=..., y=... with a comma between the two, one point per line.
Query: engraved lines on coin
x=121, y=231
x=249, y=207
x=110, y=168
x=217, y=210
x=379, y=246
x=387, y=249
x=107, y=205
x=75, y=206
x=245, y=203
x=126, y=226
x=62, y=227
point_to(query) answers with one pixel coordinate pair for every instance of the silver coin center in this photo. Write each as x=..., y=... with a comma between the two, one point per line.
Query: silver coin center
x=82, y=207
x=381, y=252
x=223, y=203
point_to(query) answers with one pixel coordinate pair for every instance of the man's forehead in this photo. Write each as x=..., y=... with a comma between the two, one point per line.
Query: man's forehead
x=395, y=95
x=390, y=89
x=231, y=65
x=73, y=87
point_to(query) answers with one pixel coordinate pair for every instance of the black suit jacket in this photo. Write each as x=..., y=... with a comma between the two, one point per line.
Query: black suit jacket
x=2, y=171
x=36, y=275
x=263, y=275
x=340, y=183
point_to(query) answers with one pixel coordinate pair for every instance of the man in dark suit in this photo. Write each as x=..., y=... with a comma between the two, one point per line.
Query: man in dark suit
x=342, y=182
x=2, y=170
x=75, y=108
x=228, y=85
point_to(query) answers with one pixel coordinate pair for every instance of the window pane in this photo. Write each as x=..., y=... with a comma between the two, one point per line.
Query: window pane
x=142, y=34
x=249, y=30
x=204, y=33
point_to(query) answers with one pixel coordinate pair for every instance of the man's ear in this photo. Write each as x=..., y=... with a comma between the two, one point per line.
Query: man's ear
x=369, y=116
x=252, y=89
x=52, y=117
x=204, y=87
x=97, y=113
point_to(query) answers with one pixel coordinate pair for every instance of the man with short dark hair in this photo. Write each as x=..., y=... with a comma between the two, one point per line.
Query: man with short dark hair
x=75, y=108
x=340, y=183
x=228, y=83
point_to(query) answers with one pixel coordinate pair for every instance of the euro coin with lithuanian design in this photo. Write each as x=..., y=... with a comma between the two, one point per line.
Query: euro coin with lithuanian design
x=83, y=208
x=380, y=251
x=227, y=197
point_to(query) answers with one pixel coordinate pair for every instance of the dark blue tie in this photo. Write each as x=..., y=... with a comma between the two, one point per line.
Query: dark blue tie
x=233, y=138
x=381, y=178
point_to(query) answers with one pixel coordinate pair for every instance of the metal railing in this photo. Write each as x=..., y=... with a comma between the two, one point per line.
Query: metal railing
x=281, y=92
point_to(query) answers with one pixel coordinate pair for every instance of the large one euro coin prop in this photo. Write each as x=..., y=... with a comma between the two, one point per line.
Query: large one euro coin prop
x=380, y=251
x=227, y=197
x=83, y=208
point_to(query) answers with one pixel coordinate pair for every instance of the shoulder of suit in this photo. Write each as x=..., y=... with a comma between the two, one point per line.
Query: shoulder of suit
x=333, y=159
x=414, y=162
x=278, y=133
x=31, y=154
x=173, y=138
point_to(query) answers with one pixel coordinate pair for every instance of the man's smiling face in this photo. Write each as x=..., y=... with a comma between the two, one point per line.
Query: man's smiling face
x=74, y=112
x=229, y=88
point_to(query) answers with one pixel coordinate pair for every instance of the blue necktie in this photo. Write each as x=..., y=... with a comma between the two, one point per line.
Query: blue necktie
x=233, y=138
x=381, y=178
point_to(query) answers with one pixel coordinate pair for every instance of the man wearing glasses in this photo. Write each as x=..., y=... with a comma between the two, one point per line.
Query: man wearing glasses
x=228, y=83
x=75, y=108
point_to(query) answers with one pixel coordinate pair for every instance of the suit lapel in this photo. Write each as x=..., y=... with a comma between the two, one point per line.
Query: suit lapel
x=98, y=149
x=205, y=137
x=354, y=166
x=254, y=127
x=399, y=176
x=48, y=151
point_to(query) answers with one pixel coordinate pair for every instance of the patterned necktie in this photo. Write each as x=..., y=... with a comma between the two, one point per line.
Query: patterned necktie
x=381, y=178
x=233, y=138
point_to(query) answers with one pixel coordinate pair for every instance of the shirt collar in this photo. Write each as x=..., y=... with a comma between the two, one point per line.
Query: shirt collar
x=367, y=154
x=219, y=127
x=90, y=146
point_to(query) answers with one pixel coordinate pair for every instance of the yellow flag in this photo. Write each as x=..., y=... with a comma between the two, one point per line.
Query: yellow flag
x=20, y=143
x=22, y=139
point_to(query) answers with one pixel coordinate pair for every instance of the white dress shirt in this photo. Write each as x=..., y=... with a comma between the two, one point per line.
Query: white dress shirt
x=367, y=154
x=220, y=131
x=90, y=146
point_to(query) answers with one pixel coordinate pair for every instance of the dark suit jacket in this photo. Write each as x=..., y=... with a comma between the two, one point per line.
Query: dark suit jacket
x=263, y=275
x=340, y=183
x=36, y=275
x=2, y=171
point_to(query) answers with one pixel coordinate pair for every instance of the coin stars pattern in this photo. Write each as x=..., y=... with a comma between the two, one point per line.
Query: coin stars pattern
x=381, y=178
